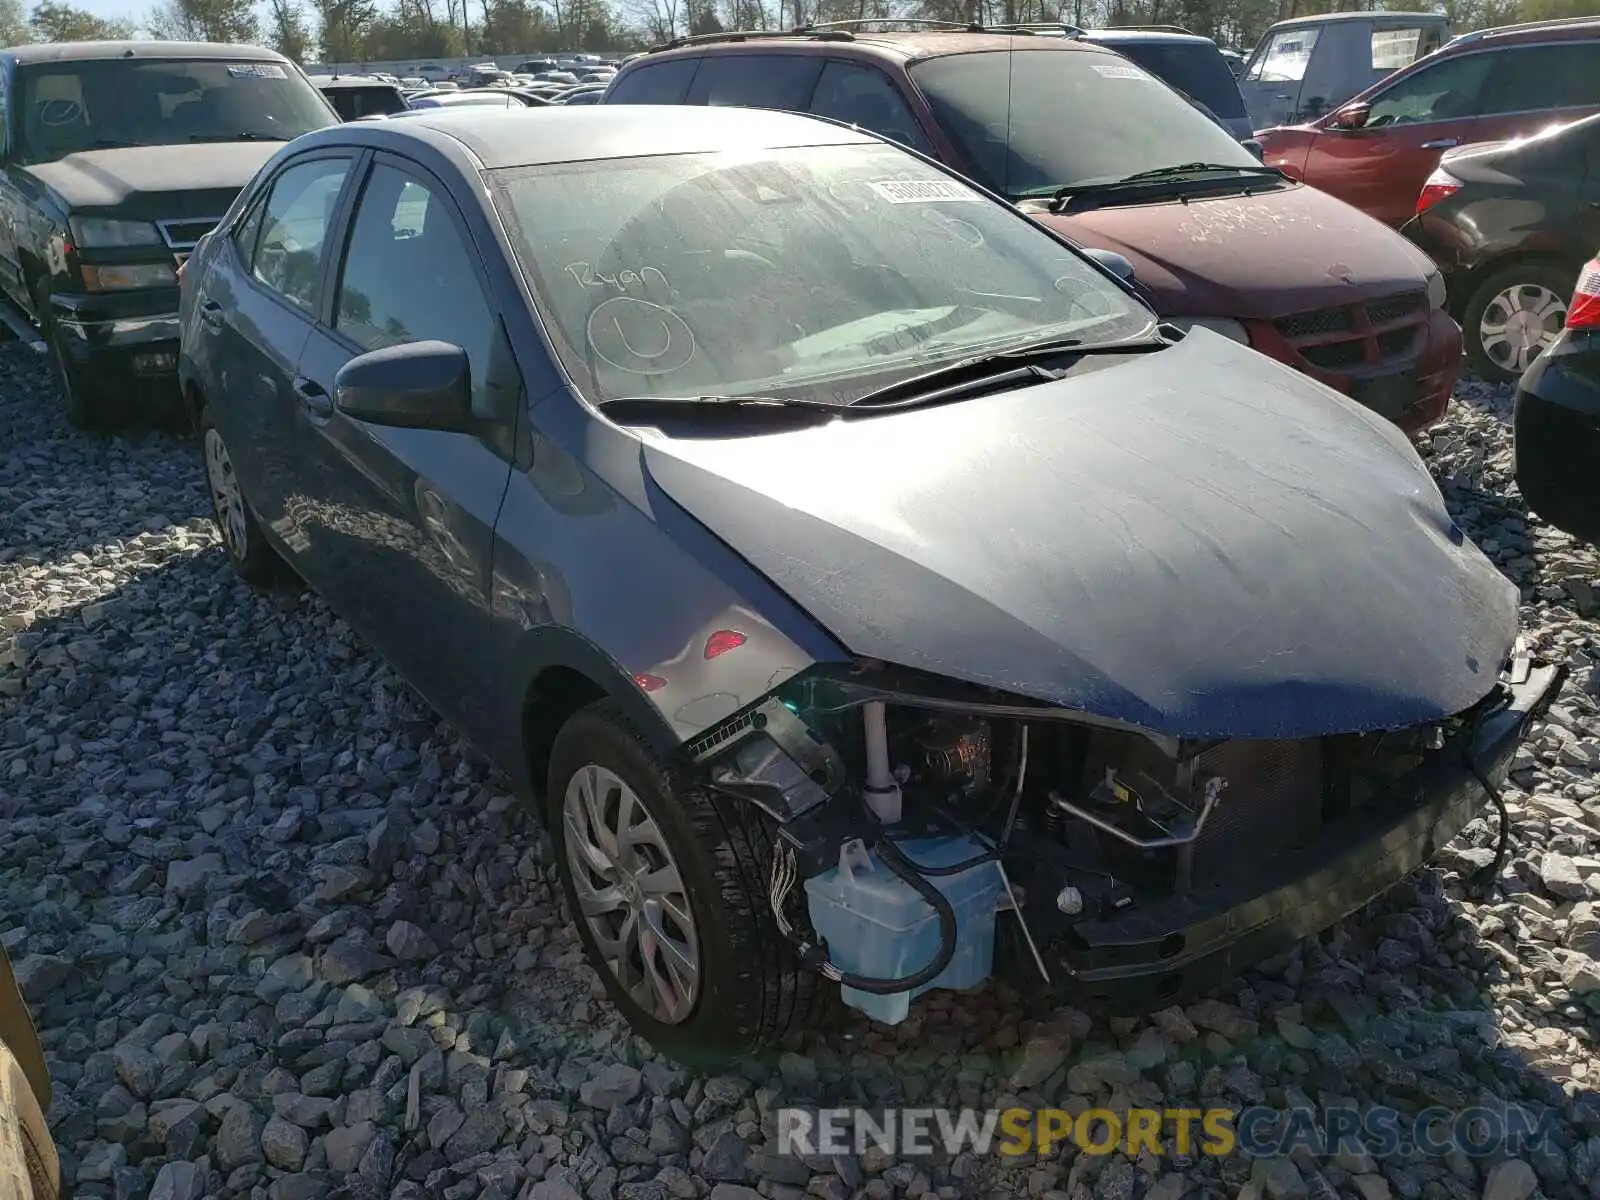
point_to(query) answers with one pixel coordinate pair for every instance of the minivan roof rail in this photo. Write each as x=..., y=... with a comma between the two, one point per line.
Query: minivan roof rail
x=918, y=22
x=1149, y=29
x=1061, y=27
x=745, y=35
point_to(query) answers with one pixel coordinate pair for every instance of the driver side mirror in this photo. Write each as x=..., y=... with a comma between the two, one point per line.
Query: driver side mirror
x=1352, y=116
x=418, y=385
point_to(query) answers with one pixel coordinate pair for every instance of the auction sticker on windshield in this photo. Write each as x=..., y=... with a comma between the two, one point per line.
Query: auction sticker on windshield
x=922, y=191
x=256, y=71
x=1120, y=71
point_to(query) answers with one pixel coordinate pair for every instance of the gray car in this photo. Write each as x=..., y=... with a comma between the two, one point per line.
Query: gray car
x=874, y=595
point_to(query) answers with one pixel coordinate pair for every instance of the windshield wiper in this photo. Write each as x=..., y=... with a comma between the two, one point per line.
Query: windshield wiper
x=626, y=409
x=1061, y=194
x=987, y=371
x=237, y=137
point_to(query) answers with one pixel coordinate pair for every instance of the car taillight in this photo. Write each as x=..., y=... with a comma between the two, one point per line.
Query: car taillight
x=1584, y=311
x=1440, y=184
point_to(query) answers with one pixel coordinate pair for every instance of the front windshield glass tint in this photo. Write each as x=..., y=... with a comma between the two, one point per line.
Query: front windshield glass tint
x=68, y=107
x=1193, y=67
x=818, y=273
x=1031, y=121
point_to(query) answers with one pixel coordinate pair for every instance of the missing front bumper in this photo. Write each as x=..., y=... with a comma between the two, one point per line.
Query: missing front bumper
x=1165, y=952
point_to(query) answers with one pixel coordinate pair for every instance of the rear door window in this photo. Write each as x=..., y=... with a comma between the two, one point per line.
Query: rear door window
x=865, y=97
x=783, y=81
x=1395, y=48
x=657, y=83
x=1529, y=78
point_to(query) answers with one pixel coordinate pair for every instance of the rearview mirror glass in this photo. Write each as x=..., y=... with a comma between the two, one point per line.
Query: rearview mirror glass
x=419, y=385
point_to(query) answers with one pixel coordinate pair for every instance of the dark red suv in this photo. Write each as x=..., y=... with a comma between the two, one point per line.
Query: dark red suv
x=1493, y=85
x=1107, y=155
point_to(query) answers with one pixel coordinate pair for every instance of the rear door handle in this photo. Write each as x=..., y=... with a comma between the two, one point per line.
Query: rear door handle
x=1441, y=144
x=313, y=396
x=211, y=315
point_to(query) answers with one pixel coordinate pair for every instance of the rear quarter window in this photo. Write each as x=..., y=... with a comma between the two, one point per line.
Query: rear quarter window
x=654, y=83
x=1193, y=68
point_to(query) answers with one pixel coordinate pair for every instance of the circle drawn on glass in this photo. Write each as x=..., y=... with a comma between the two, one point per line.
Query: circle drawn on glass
x=639, y=337
x=962, y=231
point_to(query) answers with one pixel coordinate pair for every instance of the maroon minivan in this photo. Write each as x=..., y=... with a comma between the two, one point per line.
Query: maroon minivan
x=1111, y=157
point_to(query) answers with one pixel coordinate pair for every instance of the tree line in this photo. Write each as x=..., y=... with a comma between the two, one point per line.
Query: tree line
x=377, y=30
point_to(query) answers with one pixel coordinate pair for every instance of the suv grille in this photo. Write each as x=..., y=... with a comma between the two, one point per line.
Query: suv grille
x=1355, y=335
x=183, y=233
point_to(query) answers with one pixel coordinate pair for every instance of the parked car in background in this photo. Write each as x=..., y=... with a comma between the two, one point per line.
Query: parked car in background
x=1235, y=61
x=120, y=157
x=1557, y=422
x=584, y=93
x=1191, y=64
x=570, y=490
x=469, y=97
x=1510, y=224
x=1376, y=151
x=29, y=1166
x=1214, y=238
x=1307, y=66
x=354, y=96
x=533, y=66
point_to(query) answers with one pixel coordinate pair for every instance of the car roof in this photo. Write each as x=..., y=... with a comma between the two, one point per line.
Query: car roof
x=1564, y=28
x=538, y=137
x=1109, y=37
x=906, y=46
x=1377, y=18
x=74, y=51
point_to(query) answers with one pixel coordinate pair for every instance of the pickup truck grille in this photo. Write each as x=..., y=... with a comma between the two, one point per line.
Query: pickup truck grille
x=1357, y=335
x=183, y=233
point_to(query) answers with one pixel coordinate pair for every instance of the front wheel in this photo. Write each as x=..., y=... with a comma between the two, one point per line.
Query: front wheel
x=1514, y=316
x=251, y=556
x=668, y=887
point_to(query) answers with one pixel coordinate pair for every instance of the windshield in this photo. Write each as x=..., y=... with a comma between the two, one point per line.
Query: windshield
x=71, y=106
x=817, y=273
x=1032, y=121
x=1194, y=68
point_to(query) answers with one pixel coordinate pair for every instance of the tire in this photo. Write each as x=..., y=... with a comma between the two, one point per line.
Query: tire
x=85, y=401
x=1501, y=295
x=751, y=991
x=29, y=1168
x=252, y=557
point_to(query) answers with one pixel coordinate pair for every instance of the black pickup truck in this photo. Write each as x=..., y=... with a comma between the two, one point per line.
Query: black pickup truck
x=115, y=159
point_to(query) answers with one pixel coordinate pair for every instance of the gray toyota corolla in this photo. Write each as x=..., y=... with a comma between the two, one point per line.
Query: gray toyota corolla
x=878, y=598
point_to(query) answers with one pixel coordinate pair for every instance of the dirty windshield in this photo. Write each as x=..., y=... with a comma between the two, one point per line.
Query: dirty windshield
x=1032, y=121
x=68, y=107
x=821, y=272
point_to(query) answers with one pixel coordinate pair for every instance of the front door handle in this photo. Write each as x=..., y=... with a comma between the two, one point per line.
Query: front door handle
x=211, y=315
x=313, y=396
x=1441, y=144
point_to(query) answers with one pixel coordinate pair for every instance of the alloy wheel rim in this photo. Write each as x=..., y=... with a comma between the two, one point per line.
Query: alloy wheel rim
x=631, y=894
x=1519, y=324
x=226, y=497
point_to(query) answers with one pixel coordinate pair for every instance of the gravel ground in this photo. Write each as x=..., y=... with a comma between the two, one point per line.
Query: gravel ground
x=286, y=936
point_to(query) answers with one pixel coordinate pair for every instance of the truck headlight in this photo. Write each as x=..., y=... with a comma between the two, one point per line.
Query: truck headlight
x=1436, y=289
x=126, y=277
x=103, y=233
x=1230, y=329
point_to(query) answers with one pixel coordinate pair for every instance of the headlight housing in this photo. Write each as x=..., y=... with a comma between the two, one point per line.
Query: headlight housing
x=1436, y=289
x=105, y=233
x=1230, y=329
x=127, y=277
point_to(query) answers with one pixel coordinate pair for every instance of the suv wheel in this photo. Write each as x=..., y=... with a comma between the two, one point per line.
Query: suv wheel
x=85, y=400
x=668, y=887
x=255, y=561
x=1514, y=316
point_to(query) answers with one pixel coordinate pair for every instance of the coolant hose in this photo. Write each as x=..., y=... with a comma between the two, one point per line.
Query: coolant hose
x=902, y=867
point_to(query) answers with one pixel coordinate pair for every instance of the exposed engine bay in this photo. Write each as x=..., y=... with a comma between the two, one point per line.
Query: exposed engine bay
x=919, y=824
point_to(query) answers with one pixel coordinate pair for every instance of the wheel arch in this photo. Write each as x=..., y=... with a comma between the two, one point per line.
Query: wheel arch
x=1474, y=277
x=566, y=673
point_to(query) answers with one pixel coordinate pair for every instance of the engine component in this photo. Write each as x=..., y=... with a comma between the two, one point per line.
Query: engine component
x=956, y=756
x=882, y=789
x=1148, y=819
x=1069, y=901
x=754, y=753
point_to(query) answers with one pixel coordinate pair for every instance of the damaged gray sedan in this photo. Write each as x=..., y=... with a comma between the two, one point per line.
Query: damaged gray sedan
x=877, y=596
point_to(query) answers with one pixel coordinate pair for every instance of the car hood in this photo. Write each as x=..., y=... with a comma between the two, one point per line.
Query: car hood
x=1199, y=542
x=1259, y=257
x=148, y=179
